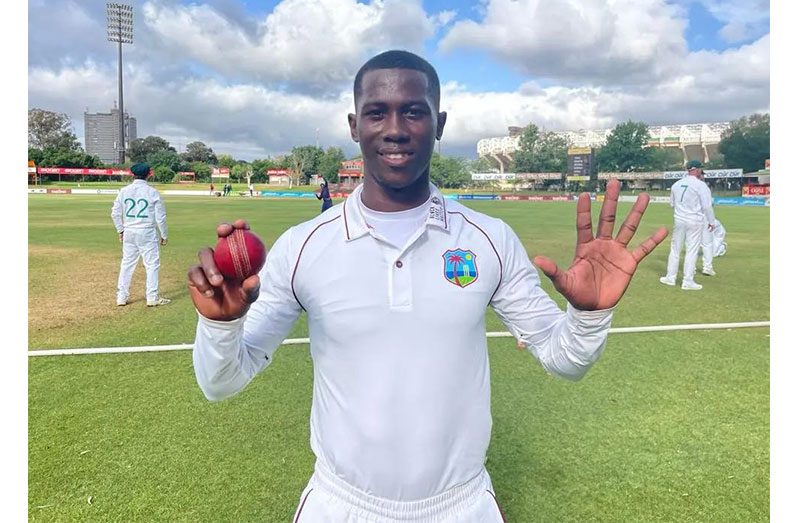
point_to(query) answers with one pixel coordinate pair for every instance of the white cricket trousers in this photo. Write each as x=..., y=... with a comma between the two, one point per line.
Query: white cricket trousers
x=328, y=499
x=707, y=246
x=135, y=243
x=688, y=235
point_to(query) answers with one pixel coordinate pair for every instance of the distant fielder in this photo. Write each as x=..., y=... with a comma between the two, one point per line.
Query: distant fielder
x=324, y=196
x=137, y=211
x=692, y=211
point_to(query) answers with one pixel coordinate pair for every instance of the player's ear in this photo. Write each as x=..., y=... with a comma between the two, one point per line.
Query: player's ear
x=353, y=127
x=441, y=124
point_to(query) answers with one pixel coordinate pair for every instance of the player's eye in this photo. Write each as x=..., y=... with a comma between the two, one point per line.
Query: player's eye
x=415, y=112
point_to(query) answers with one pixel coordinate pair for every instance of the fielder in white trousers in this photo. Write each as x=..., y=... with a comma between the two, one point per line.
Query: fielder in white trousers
x=691, y=200
x=144, y=244
x=707, y=249
x=137, y=211
x=687, y=235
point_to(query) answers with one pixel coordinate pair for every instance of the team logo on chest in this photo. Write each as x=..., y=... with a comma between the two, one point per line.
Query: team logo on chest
x=460, y=267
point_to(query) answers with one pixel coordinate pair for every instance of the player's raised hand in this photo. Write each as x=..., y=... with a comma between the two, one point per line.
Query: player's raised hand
x=602, y=266
x=215, y=297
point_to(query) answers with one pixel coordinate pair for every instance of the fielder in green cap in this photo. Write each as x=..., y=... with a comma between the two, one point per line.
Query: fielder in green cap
x=137, y=211
x=692, y=213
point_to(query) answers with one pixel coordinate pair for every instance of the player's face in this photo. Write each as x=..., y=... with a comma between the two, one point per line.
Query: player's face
x=396, y=125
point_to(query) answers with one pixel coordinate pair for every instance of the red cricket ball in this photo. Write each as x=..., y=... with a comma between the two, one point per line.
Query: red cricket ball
x=239, y=255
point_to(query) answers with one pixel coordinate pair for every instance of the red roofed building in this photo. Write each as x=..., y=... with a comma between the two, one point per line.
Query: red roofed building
x=350, y=173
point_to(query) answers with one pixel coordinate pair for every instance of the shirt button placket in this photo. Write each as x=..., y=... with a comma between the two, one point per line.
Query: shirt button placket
x=402, y=286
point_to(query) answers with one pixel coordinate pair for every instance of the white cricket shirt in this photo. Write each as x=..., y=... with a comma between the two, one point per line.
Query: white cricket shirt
x=401, y=385
x=139, y=206
x=691, y=200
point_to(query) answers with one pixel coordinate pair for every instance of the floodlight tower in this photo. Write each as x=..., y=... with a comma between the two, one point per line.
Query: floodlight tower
x=120, y=29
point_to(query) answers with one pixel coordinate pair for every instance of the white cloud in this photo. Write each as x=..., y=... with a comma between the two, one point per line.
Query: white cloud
x=625, y=41
x=743, y=19
x=308, y=43
x=259, y=86
x=444, y=17
x=244, y=119
x=711, y=87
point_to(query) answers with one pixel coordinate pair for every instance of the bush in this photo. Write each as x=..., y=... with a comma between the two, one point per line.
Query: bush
x=163, y=174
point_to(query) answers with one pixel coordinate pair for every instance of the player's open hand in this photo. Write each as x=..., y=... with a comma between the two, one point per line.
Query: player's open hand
x=215, y=297
x=602, y=266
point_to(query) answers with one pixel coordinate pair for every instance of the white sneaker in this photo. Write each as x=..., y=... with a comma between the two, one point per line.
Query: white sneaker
x=121, y=303
x=708, y=272
x=691, y=286
x=159, y=301
x=667, y=281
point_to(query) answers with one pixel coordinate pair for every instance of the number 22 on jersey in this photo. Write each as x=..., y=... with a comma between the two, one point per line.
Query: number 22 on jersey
x=132, y=204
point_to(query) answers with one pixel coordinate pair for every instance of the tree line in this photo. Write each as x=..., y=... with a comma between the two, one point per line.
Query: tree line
x=745, y=145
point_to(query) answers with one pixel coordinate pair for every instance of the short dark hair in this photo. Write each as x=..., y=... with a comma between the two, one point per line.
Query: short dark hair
x=397, y=59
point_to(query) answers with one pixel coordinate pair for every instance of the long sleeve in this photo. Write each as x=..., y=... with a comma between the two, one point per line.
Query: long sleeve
x=116, y=214
x=227, y=355
x=160, y=217
x=705, y=196
x=566, y=343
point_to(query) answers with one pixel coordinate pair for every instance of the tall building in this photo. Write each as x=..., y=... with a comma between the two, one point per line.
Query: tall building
x=101, y=133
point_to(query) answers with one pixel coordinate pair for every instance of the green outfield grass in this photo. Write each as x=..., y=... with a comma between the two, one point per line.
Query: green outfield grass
x=668, y=426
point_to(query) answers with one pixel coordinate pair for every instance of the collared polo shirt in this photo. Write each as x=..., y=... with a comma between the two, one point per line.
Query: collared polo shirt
x=691, y=200
x=401, y=383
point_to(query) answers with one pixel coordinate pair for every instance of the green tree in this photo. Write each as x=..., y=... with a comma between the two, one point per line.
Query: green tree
x=240, y=170
x=448, y=171
x=330, y=163
x=259, y=168
x=49, y=130
x=202, y=171
x=163, y=174
x=304, y=162
x=480, y=165
x=199, y=152
x=746, y=143
x=624, y=150
x=37, y=155
x=540, y=152
x=665, y=159
x=225, y=160
x=67, y=158
x=141, y=148
x=165, y=158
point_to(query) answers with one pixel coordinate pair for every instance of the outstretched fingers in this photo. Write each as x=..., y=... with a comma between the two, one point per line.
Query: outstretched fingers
x=629, y=226
x=608, y=209
x=650, y=244
x=584, y=221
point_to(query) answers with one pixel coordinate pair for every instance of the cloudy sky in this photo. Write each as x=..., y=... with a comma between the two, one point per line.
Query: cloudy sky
x=255, y=78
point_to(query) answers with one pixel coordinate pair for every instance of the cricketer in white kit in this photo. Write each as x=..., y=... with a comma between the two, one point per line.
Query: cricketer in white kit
x=691, y=200
x=708, y=249
x=136, y=212
x=400, y=418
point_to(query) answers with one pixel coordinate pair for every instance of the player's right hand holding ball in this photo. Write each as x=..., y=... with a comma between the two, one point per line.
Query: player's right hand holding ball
x=216, y=297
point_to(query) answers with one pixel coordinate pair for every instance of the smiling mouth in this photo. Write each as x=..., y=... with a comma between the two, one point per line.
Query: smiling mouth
x=396, y=156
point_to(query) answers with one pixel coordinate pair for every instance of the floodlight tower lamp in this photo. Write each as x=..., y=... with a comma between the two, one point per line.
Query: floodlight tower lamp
x=120, y=30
